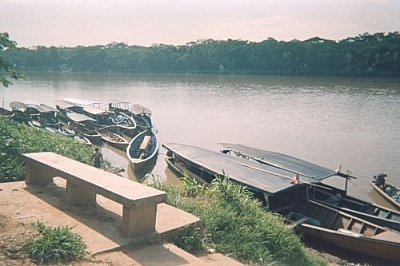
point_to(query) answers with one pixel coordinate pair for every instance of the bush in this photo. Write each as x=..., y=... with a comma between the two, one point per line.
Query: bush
x=16, y=138
x=55, y=244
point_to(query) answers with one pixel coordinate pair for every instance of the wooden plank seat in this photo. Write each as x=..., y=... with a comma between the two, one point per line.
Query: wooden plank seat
x=84, y=182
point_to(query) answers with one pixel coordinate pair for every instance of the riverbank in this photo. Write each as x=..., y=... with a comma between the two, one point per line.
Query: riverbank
x=98, y=226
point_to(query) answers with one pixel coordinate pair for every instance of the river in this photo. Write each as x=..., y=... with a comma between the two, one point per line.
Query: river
x=330, y=121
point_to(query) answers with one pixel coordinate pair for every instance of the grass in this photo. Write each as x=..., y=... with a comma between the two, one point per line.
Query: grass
x=17, y=138
x=235, y=224
x=55, y=244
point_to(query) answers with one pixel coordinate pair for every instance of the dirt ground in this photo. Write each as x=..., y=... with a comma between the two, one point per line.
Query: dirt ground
x=99, y=227
x=13, y=236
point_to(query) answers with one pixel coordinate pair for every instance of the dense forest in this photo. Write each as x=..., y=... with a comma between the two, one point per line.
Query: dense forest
x=364, y=55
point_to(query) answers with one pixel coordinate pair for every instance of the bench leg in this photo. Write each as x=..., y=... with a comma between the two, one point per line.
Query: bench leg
x=77, y=195
x=37, y=176
x=138, y=221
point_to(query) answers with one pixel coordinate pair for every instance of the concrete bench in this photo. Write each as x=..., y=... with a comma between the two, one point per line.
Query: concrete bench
x=84, y=182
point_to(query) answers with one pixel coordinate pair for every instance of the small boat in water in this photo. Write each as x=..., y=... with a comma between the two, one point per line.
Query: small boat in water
x=142, y=116
x=389, y=192
x=320, y=192
x=318, y=221
x=60, y=130
x=83, y=125
x=109, y=136
x=5, y=113
x=142, y=149
x=139, y=113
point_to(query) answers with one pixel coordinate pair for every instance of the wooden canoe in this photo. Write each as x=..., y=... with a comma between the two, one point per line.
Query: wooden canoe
x=390, y=193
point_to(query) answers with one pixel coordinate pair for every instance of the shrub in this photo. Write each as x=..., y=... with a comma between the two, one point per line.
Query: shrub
x=55, y=244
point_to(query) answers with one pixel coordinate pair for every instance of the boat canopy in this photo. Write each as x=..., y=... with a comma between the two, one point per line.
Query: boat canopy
x=79, y=102
x=17, y=105
x=94, y=110
x=23, y=105
x=140, y=109
x=256, y=176
x=282, y=161
x=45, y=108
x=76, y=117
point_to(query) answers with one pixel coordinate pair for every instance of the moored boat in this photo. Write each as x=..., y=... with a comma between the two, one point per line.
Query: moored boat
x=5, y=112
x=83, y=125
x=142, y=149
x=318, y=221
x=60, y=130
x=109, y=136
x=323, y=193
x=142, y=116
x=280, y=194
x=19, y=112
x=389, y=192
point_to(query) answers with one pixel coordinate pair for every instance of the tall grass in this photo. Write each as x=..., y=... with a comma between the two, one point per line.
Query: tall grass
x=55, y=244
x=17, y=138
x=235, y=224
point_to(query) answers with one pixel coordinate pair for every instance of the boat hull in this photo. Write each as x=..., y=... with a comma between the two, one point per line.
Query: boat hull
x=112, y=138
x=388, y=198
x=142, y=150
x=366, y=246
x=344, y=230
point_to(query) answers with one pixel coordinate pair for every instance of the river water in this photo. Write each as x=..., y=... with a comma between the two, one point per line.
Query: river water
x=330, y=121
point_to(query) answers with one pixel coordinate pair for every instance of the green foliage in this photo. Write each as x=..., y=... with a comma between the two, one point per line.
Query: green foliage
x=16, y=138
x=364, y=55
x=55, y=244
x=7, y=44
x=235, y=224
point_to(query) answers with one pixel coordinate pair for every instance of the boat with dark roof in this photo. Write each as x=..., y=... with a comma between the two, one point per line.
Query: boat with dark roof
x=275, y=186
x=320, y=192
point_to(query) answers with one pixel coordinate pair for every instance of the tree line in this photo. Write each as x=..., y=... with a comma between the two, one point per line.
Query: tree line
x=364, y=55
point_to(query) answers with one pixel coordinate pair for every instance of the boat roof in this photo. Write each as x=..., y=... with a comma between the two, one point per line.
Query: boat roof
x=140, y=109
x=255, y=176
x=45, y=108
x=94, y=110
x=282, y=161
x=79, y=117
x=25, y=104
x=79, y=102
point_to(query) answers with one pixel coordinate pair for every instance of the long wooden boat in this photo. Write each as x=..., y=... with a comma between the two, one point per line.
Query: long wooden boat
x=60, y=130
x=318, y=221
x=389, y=192
x=287, y=198
x=109, y=136
x=19, y=112
x=83, y=125
x=142, y=149
x=5, y=113
x=142, y=116
x=267, y=183
x=323, y=193
x=47, y=116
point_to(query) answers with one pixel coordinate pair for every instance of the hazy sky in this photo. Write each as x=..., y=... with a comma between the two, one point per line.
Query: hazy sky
x=177, y=22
